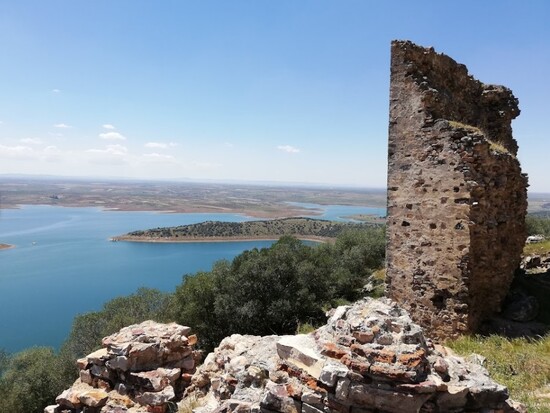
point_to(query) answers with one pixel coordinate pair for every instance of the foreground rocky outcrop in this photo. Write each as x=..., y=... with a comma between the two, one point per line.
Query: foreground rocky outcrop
x=457, y=197
x=142, y=368
x=370, y=357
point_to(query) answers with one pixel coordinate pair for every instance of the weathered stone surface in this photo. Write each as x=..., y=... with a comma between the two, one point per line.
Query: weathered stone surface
x=149, y=344
x=456, y=195
x=404, y=372
x=140, y=369
x=156, y=398
x=300, y=351
x=93, y=398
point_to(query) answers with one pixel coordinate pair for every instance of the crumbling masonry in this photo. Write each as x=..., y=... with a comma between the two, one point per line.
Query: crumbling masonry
x=456, y=196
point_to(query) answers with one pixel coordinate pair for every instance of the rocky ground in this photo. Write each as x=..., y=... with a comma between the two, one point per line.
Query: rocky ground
x=369, y=357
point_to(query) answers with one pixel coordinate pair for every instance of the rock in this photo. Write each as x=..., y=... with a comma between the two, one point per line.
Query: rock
x=93, y=398
x=276, y=398
x=136, y=371
x=533, y=239
x=300, y=350
x=155, y=380
x=69, y=398
x=144, y=346
x=156, y=398
x=331, y=372
x=406, y=375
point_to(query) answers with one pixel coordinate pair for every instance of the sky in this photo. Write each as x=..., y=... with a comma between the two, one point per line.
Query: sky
x=255, y=90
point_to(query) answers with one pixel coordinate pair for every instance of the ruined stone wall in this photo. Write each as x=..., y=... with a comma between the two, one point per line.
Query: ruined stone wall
x=369, y=357
x=456, y=195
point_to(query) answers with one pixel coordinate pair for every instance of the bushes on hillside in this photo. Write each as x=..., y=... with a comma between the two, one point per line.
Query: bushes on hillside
x=273, y=290
x=30, y=380
x=538, y=225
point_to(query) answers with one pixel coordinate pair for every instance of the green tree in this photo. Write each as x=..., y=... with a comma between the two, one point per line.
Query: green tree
x=31, y=381
x=4, y=360
x=194, y=304
x=273, y=290
x=538, y=225
x=88, y=329
x=356, y=255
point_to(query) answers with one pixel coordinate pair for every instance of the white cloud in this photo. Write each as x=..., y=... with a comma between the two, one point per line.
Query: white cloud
x=157, y=157
x=22, y=152
x=228, y=144
x=17, y=152
x=112, y=136
x=117, y=150
x=62, y=126
x=31, y=141
x=56, y=91
x=288, y=149
x=52, y=153
x=204, y=165
x=159, y=145
x=108, y=126
x=111, y=155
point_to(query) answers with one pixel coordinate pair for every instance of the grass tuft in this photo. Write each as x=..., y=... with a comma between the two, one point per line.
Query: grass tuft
x=539, y=248
x=499, y=148
x=460, y=125
x=305, y=328
x=520, y=364
x=188, y=404
x=493, y=146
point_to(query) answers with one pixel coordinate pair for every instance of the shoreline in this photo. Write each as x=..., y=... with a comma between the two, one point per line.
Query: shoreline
x=215, y=239
x=6, y=246
x=282, y=213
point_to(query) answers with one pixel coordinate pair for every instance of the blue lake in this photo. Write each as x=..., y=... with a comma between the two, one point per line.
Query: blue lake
x=64, y=264
x=339, y=212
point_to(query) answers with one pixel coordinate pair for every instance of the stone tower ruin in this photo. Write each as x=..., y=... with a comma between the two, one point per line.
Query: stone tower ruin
x=456, y=196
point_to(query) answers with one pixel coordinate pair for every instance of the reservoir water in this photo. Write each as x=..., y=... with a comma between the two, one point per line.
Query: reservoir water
x=64, y=264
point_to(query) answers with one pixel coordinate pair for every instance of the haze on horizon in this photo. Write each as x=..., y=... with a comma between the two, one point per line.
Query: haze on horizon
x=244, y=91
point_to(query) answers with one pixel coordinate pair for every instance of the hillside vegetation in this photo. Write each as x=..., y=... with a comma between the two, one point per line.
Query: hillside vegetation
x=522, y=365
x=268, y=229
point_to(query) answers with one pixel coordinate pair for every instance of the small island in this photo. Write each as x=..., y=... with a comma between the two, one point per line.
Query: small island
x=6, y=246
x=212, y=231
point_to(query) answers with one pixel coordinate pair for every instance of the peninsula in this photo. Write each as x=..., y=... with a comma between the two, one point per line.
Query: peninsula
x=209, y=231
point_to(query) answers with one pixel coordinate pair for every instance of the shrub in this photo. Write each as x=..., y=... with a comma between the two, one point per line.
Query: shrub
x=275, y=290
x=31, y=380
x=537, y=225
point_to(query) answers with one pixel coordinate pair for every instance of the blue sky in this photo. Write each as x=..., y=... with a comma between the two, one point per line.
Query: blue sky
x=285, y=90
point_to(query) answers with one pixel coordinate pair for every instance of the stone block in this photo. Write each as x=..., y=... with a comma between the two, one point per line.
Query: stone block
x=301, y=351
